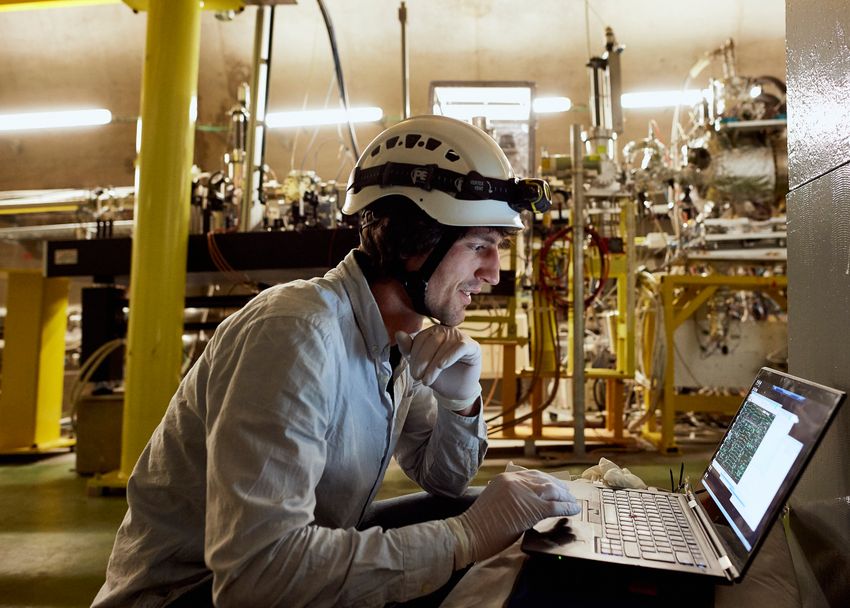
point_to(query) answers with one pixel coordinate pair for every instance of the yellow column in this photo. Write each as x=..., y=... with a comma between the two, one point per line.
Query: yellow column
x=668, y=440
x=33, y=363
x=163, y=181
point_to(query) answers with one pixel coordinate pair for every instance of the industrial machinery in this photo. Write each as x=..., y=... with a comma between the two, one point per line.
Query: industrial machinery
x=640, y=301
x=680, y=262
x=247, y=230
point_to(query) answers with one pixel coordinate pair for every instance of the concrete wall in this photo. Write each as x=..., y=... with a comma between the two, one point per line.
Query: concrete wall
x=819, y=280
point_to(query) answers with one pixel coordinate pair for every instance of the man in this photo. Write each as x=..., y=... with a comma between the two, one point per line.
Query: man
x=258, y=483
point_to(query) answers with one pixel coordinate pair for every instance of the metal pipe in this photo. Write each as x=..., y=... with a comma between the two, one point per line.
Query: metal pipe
x=163, y=178
x=596, y=74
x=257, y=115
x=61, y=231
x=578, y=291
x=43, y=201
x=405, y=69
x=615, y=88
x=628, y=207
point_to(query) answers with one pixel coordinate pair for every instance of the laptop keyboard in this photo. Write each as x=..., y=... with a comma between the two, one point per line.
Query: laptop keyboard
x=647, y=525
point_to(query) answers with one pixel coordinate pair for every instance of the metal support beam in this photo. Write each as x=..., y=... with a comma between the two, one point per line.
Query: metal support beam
x=259, y=96
x=23, y=5
x=33, y=364
x=136, y=5
x=405, y=63
x=158, y=271
x=578, y=291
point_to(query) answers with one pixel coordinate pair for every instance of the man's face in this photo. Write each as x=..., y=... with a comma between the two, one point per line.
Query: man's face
x=471, y=262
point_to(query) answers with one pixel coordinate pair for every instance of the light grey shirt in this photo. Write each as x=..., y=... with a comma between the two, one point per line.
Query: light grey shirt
x=271, y=449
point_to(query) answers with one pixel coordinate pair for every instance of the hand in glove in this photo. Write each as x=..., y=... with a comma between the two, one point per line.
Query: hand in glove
x=509, y=505
x=446, y=360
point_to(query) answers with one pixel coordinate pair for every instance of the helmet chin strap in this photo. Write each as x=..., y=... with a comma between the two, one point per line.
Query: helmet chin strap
x=415, y=282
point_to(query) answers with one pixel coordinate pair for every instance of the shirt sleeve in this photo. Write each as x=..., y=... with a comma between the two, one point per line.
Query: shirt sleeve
x=439, y=449
x=266, y=453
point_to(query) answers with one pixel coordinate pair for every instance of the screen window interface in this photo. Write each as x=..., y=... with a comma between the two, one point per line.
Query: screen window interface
x=767, y=438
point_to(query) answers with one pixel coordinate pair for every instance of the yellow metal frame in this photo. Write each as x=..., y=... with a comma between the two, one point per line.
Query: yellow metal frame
x=681, y=297
x=621, y=269
x=509, y=341
x=33, y=364
x=136, y=5
x=160, y=242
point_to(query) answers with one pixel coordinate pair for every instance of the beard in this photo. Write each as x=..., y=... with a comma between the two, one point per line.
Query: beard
x=449, y=309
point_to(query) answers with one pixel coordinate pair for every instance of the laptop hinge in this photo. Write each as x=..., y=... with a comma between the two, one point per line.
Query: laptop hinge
x=720, y=554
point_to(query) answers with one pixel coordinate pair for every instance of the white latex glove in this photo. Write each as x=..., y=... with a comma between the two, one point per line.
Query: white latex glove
x=509, y=505
x=446, y=360
x=613, y=476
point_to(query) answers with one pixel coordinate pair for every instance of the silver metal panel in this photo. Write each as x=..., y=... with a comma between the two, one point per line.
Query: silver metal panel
x=818, y=63
x=819, y=349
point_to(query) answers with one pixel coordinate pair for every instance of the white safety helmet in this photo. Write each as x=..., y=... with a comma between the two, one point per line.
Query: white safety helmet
x=452, y=170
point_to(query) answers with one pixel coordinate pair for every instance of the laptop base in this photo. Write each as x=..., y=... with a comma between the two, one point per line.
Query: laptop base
x=546, y=581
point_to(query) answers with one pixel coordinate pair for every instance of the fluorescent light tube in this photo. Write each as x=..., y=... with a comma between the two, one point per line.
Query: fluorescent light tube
x=661, y=99
x=551, y=105
x=308, y=118
x=54, y=120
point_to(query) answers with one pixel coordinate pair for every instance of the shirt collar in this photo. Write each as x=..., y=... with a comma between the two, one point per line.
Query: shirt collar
x=366, y=311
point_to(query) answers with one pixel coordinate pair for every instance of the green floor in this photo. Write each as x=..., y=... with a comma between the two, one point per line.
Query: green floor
x=55, y=540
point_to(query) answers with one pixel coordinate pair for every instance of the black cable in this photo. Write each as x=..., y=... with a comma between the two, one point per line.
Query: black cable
x=262, y=163
x=553, y=321
x=343, y=94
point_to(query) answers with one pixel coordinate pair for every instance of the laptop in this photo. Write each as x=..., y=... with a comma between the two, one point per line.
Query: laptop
x=748, y=480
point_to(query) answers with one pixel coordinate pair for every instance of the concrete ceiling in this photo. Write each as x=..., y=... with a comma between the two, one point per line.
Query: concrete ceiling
x=92, y=56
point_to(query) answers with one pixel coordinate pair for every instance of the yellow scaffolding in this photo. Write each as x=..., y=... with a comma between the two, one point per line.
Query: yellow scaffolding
x=621, y=270
x=681, y=297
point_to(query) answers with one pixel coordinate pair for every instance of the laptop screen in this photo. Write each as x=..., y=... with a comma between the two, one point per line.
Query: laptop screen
x=762, y=456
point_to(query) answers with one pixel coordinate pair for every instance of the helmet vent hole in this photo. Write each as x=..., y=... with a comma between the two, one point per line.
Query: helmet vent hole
x=432, y=144
x=452, y=156
x=420, y=144
x=410, y=140
x=375, y=151
x=391, y=142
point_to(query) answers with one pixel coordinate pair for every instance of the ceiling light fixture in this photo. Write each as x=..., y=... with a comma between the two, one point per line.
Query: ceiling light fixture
x=54, y=120
x=551, y=105
x=662, y=99
x=311, y=118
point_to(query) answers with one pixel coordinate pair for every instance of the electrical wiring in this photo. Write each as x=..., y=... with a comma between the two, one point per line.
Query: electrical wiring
x=343, y=93
x=550, y=281
x=537, y=360
x=221, y=263
x=490, y=394
x=315, y=135
x=537, y=363
x=649, y=300
x=86, y=371
x=552, y=394
x=493, y=330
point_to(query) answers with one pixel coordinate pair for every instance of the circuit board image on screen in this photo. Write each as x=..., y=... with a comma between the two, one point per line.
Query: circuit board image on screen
x=743, y=439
